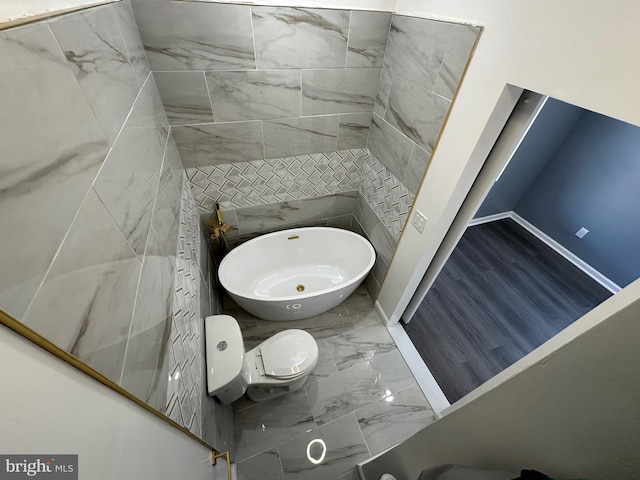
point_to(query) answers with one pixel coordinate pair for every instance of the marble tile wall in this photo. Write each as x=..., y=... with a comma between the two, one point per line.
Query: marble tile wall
x=98, y=252
x=423, y=64
x=243, y=83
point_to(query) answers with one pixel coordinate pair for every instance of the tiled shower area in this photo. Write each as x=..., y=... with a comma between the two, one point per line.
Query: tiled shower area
x=124, y=123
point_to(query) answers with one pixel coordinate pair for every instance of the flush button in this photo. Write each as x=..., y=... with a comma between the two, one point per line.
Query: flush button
x=222, y=346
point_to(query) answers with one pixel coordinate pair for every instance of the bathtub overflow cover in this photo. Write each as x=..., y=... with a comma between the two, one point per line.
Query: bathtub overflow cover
x=300, y=288
x=222, y=346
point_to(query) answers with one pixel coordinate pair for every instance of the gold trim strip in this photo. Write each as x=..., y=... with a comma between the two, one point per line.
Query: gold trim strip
x=44, y=16
x=18, y=327
x=216, y=456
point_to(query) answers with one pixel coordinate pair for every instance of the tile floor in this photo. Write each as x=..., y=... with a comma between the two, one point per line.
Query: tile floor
x=360, y=399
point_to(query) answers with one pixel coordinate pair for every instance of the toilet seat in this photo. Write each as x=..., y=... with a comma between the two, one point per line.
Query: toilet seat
x=288, y=354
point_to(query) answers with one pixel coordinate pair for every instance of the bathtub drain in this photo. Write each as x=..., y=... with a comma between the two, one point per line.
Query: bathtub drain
x=300, y=288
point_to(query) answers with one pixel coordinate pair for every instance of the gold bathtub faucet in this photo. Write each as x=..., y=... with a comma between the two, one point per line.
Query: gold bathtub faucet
x=216, y=226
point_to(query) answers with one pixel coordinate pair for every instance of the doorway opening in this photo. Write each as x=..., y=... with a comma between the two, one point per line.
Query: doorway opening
x=556, y=234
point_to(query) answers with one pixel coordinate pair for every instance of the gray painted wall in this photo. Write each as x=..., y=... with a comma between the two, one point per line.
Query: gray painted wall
x=555, y=121
x=592, y=181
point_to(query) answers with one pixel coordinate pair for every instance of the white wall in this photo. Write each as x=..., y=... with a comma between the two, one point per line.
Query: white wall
x=571, y=414
x=48, y=407
x=582, y=52
x=383, y=5
x=14, y=10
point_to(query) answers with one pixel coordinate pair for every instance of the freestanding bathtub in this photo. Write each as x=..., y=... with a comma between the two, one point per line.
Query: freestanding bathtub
x=297, y=273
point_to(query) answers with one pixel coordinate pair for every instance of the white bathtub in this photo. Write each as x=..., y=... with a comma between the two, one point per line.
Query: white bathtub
x=297, y=273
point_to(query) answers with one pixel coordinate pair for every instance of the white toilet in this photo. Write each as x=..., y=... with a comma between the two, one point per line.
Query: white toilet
x=278, y=365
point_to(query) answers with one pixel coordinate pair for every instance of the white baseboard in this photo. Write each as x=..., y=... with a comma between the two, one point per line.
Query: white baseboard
x=420, y=371
x=574, y=259
x=489, y=218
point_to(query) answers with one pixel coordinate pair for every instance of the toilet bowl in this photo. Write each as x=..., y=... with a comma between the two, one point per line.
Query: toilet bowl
x=279, y=365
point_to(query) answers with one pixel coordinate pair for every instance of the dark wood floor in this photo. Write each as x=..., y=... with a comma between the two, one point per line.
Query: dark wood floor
x=501, y=294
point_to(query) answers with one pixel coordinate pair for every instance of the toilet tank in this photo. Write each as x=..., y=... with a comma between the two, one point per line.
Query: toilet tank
x=225, y=358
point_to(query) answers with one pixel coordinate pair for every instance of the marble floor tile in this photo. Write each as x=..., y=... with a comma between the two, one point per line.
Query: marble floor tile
x=343, y=393
x=323, y=326
x=335, y=448
x=270, y=423
x=265, y=466
x=360, y=345
x=394, y=418
x=350, y=475
x=392, y=372
x=325, y=366
x=361, y=309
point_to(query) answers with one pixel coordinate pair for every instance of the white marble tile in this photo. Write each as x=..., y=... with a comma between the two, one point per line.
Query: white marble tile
x=293, y=136
x=416, y=112
x=389, y=146
x=195, y=35
x=414, y=171
x=96, y=51
x=329, y=206
x=255, y=95
x=361, y=310
x=378, y=235
x=367, y=38
x=128, y=182
x=185, y=97
x=346, y=90
x=323, y=326
x=265, y=466
x=148, y=110
x=31, y=46
x=270, y=423
x=146, y=367
x=338, y=445
x=360, y=345
x=85, y=303
x=455, y=59
x=353, y=130
x=133, y=42
x=392, y=372
x=220, y=143
x=325, y=366
x=300, y=37
x=383, y=92
x=343, y=393
x=44, y=180
x=394, y=419
x=415, y=48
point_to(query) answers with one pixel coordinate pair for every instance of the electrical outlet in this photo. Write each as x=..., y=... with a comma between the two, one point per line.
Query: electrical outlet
x=418, y=221
x=582, y=232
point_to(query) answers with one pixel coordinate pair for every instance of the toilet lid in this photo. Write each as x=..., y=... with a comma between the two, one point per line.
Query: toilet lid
x=288, y=353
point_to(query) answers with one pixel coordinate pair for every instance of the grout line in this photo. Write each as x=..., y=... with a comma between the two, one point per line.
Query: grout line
x=361, y=432
x=346, y=56
x=253, y=37
x=206, y=85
